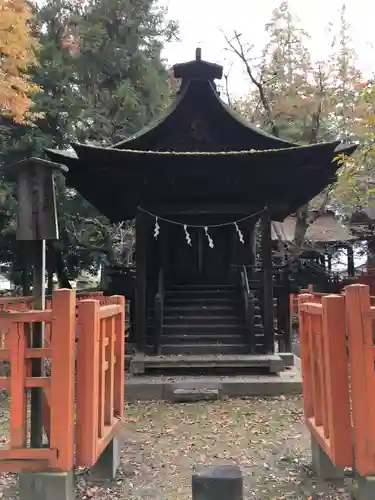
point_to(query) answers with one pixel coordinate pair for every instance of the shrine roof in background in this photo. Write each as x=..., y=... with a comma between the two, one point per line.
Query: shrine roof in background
x=200, y=151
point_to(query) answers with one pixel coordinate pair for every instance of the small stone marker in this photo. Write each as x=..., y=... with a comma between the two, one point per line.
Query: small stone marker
x=46, y=485
x=192, y=395
x=108, y=462
x=220, y=482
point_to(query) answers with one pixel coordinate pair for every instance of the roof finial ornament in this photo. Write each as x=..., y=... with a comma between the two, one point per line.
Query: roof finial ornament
x=198, y=54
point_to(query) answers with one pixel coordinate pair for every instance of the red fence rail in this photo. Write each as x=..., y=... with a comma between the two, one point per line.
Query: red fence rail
x=22, y=303
x=360, y=316
x=325, y=375
x=8, y=304
x=58, y=388
x=98, y=376
x=100, y=369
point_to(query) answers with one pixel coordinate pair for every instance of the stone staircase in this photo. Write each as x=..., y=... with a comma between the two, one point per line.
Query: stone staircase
x=204, y=331
x=258, y=321
x=203, y=319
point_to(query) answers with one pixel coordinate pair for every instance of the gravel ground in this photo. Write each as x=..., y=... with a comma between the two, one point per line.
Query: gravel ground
x=162, y=443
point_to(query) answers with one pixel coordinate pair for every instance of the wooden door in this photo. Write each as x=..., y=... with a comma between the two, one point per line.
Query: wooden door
x=198, y=262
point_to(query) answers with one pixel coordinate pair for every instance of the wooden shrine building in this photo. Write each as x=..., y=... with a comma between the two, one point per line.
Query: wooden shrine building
x=197, y=182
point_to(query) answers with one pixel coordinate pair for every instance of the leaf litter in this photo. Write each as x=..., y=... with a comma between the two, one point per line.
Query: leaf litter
x=162, y=442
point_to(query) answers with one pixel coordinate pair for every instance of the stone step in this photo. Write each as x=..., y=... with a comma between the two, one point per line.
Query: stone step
x=209, y=330
x=141, y=363
x=203, y=338
x=206, y=330
x=202, y=287
x=212, y=292
x=189, y=327
x=204, y=349
x=202, y=309
x=202, y=300
x=176, y=319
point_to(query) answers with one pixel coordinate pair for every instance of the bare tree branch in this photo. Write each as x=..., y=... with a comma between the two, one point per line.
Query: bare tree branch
x=236, y=46
x=226, y=79
x=316, y=116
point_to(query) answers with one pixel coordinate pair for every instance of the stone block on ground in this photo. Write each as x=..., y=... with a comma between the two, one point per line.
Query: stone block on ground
x=276, y=364
x=137, y=365
x=366, y=488
x=322, y=464
x=108, y=462
x=220, y=482
x=194, y=394
x=46, y=486
x=288, y=358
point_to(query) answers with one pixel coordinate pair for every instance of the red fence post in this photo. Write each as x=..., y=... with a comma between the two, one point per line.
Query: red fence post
x=87, y=382
x=17, y=345
x=119, y=398
x=359, y=325
x=100, y=377
x=336, y=379
x=62, y=377
x=305, y=346
x=325, y=375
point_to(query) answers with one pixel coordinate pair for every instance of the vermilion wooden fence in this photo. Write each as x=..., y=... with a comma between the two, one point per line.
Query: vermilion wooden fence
x=100, y=372
x=337, y=337
x=58, y=388
x=22, y=303
x=360, y=316
x=99, y=378
x=325, y=374
x=15, y=303
x=26, y=303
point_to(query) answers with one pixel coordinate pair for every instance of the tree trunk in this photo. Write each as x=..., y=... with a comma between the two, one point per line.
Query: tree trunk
x=25, y=274
x=370, y=253
x=302, y=224
x=62, y=275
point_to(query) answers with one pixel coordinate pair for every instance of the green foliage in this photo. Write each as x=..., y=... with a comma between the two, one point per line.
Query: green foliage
x=294, y=97
x=101, y=78
x=306, y=101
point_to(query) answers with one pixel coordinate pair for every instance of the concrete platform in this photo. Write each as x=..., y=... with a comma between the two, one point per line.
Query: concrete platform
x=158, y=388
x=141, y=363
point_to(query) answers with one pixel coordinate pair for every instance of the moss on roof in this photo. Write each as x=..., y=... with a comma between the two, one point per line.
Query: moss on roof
x=204, y=153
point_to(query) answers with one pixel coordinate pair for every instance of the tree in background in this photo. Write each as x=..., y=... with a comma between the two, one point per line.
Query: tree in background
x=18, y=52
x=101, y=78
x=298, y=99
x=123, y=79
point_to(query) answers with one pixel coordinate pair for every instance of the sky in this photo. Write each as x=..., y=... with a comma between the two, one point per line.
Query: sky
x=203, y=21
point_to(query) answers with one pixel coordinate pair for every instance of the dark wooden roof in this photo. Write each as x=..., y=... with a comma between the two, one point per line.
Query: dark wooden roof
x=200, y=120
x=200, y=152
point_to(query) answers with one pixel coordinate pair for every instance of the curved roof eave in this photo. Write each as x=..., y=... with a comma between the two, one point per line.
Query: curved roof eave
x=241, y=121
x=81, y=151
x=153, y=126
x=211, y=98
x=346, y=149
x=85, y=151
x=68, y=158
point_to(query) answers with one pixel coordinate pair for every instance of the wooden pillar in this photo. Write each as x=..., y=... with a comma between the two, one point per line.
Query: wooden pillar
x=329, y=263
x=253, y=246
x=140, y=284
x=269, y=332
x=284, y=311
x=39, y=294
x=163, y=253
x=351, y=267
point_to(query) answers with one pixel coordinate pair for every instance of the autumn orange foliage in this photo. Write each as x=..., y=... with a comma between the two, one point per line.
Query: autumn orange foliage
x=18, y=53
